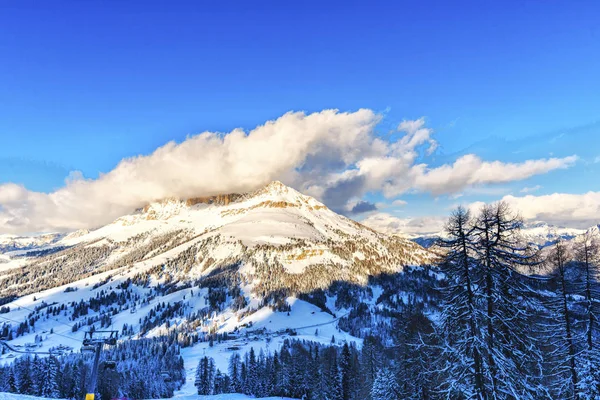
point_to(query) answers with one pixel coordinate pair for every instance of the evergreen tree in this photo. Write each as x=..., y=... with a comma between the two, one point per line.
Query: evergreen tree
x=370, y=363
x=205, y=376
x=463, y=345
x=563, y=338
x=275, y=378
x=11, y=382
x=23, y=377
x=252, y=377
x=332, y=377
x=512, y=360
x=385, y=386
x=50, y=384
x=587, y=255
x=346, y=372
x=38, y=376
x=234, y=373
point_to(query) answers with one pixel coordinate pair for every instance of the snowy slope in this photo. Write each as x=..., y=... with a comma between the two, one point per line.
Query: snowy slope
x=273, y=228
x=255, y=252
x=12, y=396
x=233, y=396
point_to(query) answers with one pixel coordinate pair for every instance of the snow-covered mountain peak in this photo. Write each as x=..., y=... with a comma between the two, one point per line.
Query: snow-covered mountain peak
x=227, y=263
x=273, y=229
x=273, y=195
x=275, y=188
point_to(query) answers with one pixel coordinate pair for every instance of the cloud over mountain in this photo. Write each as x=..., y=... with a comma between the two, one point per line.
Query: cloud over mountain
x=334, y=156
x=390, y=224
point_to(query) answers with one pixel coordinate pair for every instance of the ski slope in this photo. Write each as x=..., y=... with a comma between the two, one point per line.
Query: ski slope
x=274, y=235
x=232, y=396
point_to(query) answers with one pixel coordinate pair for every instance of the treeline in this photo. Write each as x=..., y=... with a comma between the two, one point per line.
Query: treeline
x=516, y=323
x=305, y=370
x=144, y=369
x=501, y=320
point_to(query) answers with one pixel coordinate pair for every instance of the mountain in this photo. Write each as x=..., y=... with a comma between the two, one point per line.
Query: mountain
x=275, y=232
x=11, y=243
x=538, y=233
x=271, y=262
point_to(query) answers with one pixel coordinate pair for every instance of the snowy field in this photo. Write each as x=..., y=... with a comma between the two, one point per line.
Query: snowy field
x=233, y=396
x=10, y=396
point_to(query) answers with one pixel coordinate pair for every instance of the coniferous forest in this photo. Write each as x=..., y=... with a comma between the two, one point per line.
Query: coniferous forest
x=493, y=318
x=146, y=368
x=514, y=322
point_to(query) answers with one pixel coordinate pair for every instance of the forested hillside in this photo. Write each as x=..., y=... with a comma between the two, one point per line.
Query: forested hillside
x=318, y=308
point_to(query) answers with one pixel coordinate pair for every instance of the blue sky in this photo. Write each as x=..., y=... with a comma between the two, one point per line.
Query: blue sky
x=86, y=84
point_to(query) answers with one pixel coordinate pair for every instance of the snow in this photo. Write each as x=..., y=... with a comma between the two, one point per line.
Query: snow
x=231, y=396
x=276, y=216
x=12, y=396
x=304, y=318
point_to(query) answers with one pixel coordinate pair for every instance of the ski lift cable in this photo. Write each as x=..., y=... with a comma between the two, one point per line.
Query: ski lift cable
x=55, y=333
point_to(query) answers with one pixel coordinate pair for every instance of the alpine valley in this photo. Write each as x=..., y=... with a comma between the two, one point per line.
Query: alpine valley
x=213, y=276
x=270, y=293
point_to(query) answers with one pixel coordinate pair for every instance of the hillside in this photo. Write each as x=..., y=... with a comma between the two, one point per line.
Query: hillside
x=248, y=270
x=276, y=232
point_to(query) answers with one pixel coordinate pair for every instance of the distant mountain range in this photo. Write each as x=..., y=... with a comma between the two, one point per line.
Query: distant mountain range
x=538, y=233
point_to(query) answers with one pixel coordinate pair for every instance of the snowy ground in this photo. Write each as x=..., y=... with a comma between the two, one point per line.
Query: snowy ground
x=10, y=396
x=233, y=396
x=274, y=216
x=308, y=320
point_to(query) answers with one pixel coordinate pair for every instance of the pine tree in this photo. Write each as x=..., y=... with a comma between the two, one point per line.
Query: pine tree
x=563, y=336
x=23, y=375
x=275, y=378
x=370, y=363
x=332, y=377
x=512, y=360
x=252, y=378
x=205, y=375
x=38, y=375
x=462, y=316
x=234, y=373
x=11, y=382
x=221, y=383
x=385, y=386
x=587, y=255
x=346, y=372
x=199, y=376
x=50, y=385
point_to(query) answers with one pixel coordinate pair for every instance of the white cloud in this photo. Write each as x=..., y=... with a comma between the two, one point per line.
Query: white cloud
x=531, y=189
x=482, y=191
x=394, y=170
x=470, y=170
x=390, y=224
x=332, y=155
x=399, y=203
x=563, y=209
